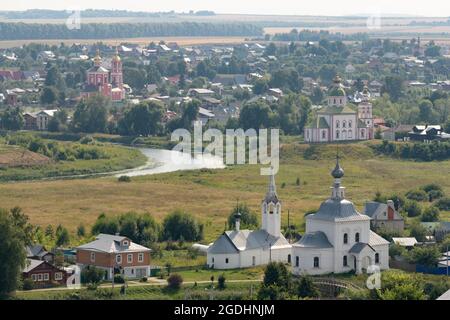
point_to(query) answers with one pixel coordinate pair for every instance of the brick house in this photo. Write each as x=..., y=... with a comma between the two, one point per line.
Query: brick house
x=115, y=254
x=44, y=274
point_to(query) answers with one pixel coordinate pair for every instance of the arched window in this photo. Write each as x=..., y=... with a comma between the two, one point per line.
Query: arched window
x=350, y=123
x=316, y=262
x=337, y=124
x=289, y=258
x=344, y=261
x=362, y=133
x=345, y=238
x=324, y=134
x=271, y=208
x=337, y=134
x=344, y=124
x=357, y=237
x=297, y=261
x=350, y=134
x=377, y=257
x=226, y=260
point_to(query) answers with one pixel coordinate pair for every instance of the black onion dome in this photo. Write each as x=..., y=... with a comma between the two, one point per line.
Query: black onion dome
x=337, y=172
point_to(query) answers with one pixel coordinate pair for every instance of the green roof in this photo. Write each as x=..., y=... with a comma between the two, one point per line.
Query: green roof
x=337, y=110
x=321, y=125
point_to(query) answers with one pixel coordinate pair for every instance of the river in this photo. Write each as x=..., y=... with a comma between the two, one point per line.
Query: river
x=162, y=161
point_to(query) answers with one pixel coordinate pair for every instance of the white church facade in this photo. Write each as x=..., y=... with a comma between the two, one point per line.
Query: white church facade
x=247, y=248
x=338, y=238
x=338, y=121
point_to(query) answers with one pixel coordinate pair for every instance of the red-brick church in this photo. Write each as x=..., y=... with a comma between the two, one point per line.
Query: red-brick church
x=108, y=83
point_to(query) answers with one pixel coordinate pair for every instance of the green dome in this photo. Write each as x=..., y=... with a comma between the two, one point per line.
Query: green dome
x=336, y=91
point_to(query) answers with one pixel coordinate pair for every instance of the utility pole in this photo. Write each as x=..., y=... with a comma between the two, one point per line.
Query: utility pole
x=289, y=228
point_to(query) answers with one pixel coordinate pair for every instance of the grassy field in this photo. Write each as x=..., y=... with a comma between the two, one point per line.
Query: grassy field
x=210, y=195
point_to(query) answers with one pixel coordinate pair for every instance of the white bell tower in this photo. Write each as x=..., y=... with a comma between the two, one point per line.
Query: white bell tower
x=271, y=210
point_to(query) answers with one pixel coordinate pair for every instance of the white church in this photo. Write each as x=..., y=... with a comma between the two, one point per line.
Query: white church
x=338, y=238
x=338, y=121
x=246, y=248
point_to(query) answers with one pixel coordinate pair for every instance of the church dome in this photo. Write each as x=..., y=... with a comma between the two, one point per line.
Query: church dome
x=337, y=90
x=116, y=57
x=337, y=172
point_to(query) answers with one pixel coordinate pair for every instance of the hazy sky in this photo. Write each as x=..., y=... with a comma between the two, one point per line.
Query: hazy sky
x=308, y=7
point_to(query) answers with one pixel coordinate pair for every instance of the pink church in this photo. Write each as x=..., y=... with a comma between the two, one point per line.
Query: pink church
x=101, y=80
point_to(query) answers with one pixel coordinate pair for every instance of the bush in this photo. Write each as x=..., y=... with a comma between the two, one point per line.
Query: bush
x=443, y=204
x=431, y=187
x=174, y=281
x=419, y=232
x=396, y=250
x=221, y=282
x=28, y=284
x=124, y=179
x=427, y=256
x=306, y=288
x=417, y=195
x=92, y=275
x=144, y=279
x=412, y=208
x=119, y=278
x=431, y=214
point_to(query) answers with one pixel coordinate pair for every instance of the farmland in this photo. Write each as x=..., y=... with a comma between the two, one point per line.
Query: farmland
x=211, y=194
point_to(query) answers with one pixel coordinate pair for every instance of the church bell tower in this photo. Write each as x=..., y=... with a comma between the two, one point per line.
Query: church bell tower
x=271, y=210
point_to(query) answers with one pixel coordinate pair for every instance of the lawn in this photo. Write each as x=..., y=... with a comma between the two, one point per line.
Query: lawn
x=211, y=194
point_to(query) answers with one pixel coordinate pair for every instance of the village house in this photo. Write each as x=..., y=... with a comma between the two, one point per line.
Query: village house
x=38, y=120
x=426, y=132
x=384, y=216
x=43, y=273
x=38, y=252
x=115, y=255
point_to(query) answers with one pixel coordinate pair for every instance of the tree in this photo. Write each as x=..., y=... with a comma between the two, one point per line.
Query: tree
x=92, y=275
x=418, y=231
x=306, y=288
x=81, y=231
x=427, y=256
x=62, y=236
x=142, y=119
x=134, y=77
x=277, y=274
x=12, y=119
x=91, y=115
x=270, y=50
x=398, y=285
x=181, y=226
x=412, y=208
x=49, y=95
x=260, y=86
x=255, y=115
x=426, y=110
x=431, y=214
x=393, y=85
x=12, y=253
x=174, y=281
x=248, y=218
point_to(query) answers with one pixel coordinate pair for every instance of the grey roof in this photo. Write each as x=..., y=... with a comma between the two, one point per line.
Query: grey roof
x=375, y=239
x=371, y=207
x=316, y=239
x=271, y=195
x=31, y=264
x=360, y=246
x=111, y=244
x=337, y=210
x=234, y=241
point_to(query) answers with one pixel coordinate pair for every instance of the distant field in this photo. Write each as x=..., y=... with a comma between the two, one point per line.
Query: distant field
x=182, y=41
x=211, y=194
x=362, y=29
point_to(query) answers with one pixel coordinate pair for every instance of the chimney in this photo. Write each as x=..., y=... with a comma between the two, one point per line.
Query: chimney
x=391, y=204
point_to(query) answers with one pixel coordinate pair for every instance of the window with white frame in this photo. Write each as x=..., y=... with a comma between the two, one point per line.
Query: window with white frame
x=33, y=277
x=316, y=262
x=92, y=256
x=130, y=258
x=46, y=277
x=118, y=258
x=39, y=277
x=125, y=243
x=58, y=276
x=141, y=257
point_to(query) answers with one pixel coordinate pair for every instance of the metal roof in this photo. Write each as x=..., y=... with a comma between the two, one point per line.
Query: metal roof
x=359, y=246
x=111, y=244
x=316, y=239
x=375, y=239
x=337, y=210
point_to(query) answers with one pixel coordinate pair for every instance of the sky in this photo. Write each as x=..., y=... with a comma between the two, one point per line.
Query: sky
x=438, y=8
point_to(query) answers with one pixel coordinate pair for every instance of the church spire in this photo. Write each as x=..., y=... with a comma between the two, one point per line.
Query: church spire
x=271, y=195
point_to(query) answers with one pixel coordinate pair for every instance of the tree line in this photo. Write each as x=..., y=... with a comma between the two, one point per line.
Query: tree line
x=18, y=31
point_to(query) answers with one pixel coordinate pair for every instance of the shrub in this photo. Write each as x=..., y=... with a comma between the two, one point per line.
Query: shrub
x=396, y=250
x=180, y=225
x=419, y=232
x=174, y=281
x=119, y=278
x=28, y=284
x=417, y=195
x=431, y=187
x=306, y=288
x=221, y=282
x=430, y=214
x=144, y=279
x=427, y=256
x=443, y=204
x=412, y=208
x=92, y=275
x=124, y=179
x=87, y=140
